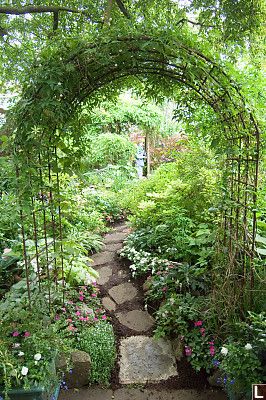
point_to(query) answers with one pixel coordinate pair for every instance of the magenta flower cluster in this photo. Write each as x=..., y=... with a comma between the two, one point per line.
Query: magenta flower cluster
x=81, y=310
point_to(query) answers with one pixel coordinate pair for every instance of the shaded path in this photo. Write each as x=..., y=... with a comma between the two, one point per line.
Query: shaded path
x=142, y=360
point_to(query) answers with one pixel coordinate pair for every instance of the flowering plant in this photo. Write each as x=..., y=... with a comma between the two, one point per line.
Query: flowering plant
x=82, y=308
x=241, y=367
x=201, y=347
x=31, y=338
x=175, y=317
x=28, y=349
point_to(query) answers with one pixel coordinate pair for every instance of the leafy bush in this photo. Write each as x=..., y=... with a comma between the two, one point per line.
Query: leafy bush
x=109, y=148
x=177, y=314
x=99, y=342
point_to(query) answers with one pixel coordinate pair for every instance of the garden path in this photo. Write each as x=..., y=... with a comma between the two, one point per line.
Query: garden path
x=142, y=361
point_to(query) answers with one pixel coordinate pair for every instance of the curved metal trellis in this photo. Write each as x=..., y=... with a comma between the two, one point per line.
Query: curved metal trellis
x=89, y=70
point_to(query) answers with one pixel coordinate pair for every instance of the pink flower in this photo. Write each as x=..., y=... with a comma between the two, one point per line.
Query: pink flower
x=198, y=323
x=104, y=317
x=63, y=309
x=188, y=351
x=78, y=313
x=81, y=292
x=164, y=289
x=26, y=334
x=211, y=343
x=94, y=283
x=202, y=331
x=72, y=328
x=15, y=333
x=93, y=295
x=95, y=319
x=158, y=273
x=81, y=298
x=57, y=317
x=212, y=351
x=81, y=318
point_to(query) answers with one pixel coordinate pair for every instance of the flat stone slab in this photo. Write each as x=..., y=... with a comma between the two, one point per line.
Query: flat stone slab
x=97, y=393
x=102, y=258
x=145, y=359
x=104, y=275
x=113, y=247
x=123, y=292
x=108, y=304
x=137, y=320
x=116, y=237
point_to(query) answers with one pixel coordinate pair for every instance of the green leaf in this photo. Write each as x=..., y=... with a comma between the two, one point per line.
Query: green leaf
x=261, y=251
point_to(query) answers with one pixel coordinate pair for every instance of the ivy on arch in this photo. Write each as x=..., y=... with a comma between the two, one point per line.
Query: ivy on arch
x=79, y=70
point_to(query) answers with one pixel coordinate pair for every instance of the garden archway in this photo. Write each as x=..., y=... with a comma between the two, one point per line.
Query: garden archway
x=75, y=72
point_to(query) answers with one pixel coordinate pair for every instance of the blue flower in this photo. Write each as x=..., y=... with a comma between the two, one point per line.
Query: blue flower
x=216, y=363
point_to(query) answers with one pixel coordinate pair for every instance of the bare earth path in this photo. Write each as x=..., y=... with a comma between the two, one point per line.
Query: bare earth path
x=146, y=368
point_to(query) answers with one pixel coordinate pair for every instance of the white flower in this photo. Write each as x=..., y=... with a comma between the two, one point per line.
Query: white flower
x=224, y=351
x=37, y=357
x=24, y=371
x=20, y=354
x=16, y=345
x=6, y=251
x=248, y=346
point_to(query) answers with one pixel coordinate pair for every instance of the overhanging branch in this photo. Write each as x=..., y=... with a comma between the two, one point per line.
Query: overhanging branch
x=122, y=8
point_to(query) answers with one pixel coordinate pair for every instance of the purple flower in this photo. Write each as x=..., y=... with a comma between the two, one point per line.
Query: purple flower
x=216, y=363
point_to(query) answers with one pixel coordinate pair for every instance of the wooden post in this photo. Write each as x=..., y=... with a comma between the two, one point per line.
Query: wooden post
x=148, y=154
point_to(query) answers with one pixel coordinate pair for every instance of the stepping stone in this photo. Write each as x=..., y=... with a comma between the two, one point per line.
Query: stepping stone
x=145, y=359
x=122, y=228
x=123, y=292
x=102, y=258
x=104, y=275
x=137, y=320
x=108, y=304
x=113, y=247
x=118, y=237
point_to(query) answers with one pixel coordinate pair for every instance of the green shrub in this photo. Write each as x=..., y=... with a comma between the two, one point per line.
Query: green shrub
x=109, y=148
x=99, y=342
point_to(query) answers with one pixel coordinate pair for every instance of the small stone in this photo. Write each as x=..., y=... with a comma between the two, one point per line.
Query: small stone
x=123, y=292
x=145, y=359
x=137, y=320
x=104, y=275
x=80, y=365
x=108, y=304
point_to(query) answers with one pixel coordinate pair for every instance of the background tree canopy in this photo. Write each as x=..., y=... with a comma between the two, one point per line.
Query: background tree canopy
x=232, y=27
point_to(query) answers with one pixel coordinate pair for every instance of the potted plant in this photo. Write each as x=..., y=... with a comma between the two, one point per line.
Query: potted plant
x=29, y=342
